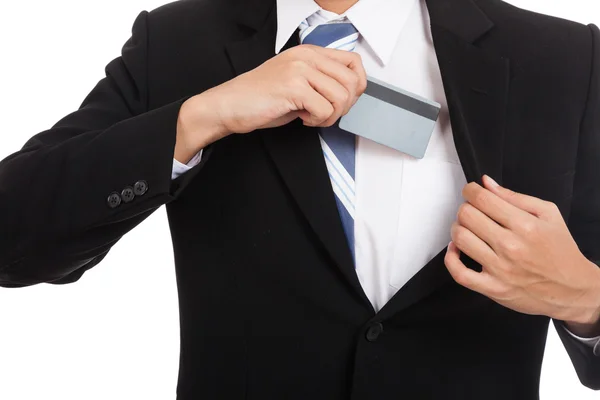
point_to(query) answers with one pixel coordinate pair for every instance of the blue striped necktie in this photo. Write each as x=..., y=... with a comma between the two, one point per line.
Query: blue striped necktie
x=339, y=147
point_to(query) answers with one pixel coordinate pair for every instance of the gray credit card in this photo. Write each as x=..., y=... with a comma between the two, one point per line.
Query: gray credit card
x=393, y=117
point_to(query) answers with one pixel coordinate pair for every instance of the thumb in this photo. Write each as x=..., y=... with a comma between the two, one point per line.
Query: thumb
x=531, y=204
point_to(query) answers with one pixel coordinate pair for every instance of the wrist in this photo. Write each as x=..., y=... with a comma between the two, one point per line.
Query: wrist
x=198, y=126
x=587, y=323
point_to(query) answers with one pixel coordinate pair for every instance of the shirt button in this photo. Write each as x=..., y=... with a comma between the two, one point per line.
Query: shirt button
x=114, y=200
x=127, y=194
x=374, y=331
x=140, y=188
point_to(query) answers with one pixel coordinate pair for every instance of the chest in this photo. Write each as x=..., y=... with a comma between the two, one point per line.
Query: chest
x=405, y=206
x=388, y=181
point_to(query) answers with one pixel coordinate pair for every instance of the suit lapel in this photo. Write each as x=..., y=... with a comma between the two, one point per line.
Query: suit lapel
x=476, y=85
x=296, y=152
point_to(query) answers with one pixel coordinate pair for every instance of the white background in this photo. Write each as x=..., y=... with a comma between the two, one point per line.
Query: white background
x=114, y=334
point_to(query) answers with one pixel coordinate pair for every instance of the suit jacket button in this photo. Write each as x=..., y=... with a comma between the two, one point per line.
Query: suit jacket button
x=140, y=188
x=374, y=331
x=127, y=194
x=114, y=200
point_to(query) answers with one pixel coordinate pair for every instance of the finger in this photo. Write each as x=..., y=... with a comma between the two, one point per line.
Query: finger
x=350, y=59
x=317, y=108
x=498, y=209
x=467, y=242
x=480, y=224
x=348, y=78
x=533, y=205
x=337, y=95
x=482, y=283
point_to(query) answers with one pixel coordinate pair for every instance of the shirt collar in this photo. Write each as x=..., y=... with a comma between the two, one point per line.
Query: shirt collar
x=378, y=21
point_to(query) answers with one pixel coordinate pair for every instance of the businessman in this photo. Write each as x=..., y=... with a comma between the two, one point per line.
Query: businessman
x=312, y=263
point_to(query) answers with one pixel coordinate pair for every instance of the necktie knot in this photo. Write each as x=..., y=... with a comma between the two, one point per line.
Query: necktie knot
x=332, y=35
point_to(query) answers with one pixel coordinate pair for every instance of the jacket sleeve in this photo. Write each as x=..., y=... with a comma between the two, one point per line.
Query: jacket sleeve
x=56, y=221
x=584, y=220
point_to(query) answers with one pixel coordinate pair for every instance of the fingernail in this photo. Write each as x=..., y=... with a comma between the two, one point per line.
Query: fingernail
x=493, y=183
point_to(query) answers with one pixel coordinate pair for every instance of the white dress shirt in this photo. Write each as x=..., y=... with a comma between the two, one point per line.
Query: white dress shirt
x=404, y=206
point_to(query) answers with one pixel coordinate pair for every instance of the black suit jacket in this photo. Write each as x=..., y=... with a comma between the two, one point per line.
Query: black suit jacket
x=270, y=306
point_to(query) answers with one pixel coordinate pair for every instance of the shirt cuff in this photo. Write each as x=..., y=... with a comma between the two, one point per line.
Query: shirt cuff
x=593, y=343
x=180, y=168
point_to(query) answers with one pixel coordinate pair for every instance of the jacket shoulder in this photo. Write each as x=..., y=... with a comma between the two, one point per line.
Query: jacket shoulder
x=528, y=28
x=211, y=19
x=553, y=47
x=183, y=10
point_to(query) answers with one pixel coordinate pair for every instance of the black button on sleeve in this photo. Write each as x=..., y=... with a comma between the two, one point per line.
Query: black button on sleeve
x=374, y=331
x=140, y=188
x=127, y=194
x=114, y=200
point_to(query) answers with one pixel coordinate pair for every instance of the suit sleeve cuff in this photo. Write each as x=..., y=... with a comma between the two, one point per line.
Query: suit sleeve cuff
x=593, y=343
x=180, y=168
